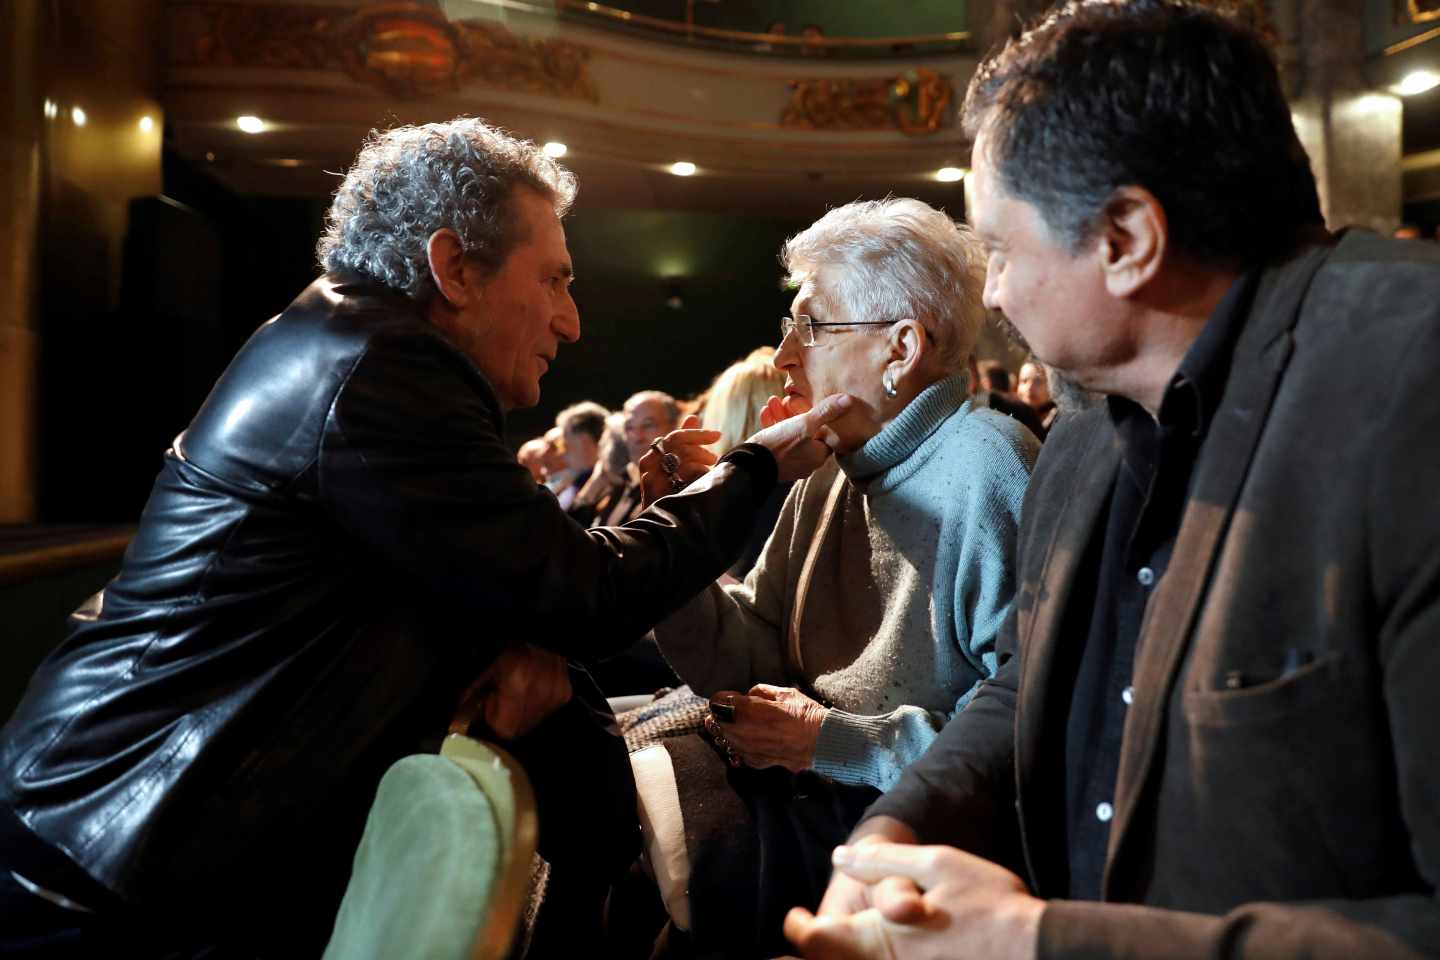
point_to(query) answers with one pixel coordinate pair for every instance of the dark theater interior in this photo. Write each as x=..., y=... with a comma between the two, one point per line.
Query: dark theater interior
x=720, y=478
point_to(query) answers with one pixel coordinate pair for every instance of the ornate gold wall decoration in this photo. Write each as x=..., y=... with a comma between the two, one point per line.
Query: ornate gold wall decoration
x=917, y=103
x=406, y=49
x=500, y=58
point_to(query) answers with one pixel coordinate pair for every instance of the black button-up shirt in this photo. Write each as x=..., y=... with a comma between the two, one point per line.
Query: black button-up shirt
x=1138, y=531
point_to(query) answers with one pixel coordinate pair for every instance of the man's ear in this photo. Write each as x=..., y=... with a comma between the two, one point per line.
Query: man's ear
x=1134, y=235
x=446, y=254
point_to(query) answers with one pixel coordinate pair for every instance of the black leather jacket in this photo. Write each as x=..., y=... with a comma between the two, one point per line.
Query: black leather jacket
x=335, y=546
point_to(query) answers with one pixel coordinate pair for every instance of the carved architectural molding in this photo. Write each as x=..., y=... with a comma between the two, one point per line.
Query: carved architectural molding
x=917, y=102
x=405, y=49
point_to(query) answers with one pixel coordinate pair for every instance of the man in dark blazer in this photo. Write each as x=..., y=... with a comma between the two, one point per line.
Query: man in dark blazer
x=1216, y=720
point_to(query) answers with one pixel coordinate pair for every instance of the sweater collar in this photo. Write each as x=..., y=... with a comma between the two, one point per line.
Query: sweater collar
x=902, y=436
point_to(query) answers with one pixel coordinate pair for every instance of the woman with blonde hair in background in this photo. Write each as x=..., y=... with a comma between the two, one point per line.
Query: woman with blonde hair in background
x=732, y=408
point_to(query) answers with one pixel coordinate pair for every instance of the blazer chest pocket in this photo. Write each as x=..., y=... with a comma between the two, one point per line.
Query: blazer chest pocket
x=1320, y=683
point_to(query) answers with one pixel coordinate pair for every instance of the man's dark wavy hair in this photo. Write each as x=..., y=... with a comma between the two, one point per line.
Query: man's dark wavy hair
x=1159, y=94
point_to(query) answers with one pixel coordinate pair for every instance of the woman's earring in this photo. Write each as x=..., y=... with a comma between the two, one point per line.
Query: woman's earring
x=888, y=384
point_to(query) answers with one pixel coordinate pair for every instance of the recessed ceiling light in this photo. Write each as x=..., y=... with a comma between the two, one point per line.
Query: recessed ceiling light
x=682, y=168
x=555, y=149
x=52, y=109
x=1417, y=82
x=250, y=124
x=950, y=174
x=77, y=116
x=146, y=124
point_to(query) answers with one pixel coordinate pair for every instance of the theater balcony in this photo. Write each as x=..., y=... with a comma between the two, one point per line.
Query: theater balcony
x=769, y=122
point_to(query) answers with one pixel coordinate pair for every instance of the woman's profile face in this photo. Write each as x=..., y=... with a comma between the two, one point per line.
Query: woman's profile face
x=843, y=360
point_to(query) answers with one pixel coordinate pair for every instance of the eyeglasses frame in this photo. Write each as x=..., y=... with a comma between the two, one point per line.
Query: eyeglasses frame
x=788, y=324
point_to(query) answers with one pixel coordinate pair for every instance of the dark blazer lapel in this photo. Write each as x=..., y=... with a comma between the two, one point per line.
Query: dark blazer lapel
x=1080, y=499
x=1260, y=357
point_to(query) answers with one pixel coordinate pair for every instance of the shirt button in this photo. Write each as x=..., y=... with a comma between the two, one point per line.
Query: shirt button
x=1104, y=812
x=1146, y=576
x=1128, y=695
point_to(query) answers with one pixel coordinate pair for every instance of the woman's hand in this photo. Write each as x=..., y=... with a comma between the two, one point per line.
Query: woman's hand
x=800, y=441
x=773, y=726
x=692, y=460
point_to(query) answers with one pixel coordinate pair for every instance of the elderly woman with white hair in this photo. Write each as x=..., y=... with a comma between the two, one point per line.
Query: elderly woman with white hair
x=872, y=615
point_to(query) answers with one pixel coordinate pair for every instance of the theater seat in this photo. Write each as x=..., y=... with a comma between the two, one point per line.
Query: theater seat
x=442, y=870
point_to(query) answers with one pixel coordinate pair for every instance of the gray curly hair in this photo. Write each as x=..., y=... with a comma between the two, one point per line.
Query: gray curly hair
x=410, y=181
x=898, y=258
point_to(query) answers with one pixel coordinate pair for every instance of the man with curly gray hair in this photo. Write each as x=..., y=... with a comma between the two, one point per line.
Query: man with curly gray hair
x=336, y=546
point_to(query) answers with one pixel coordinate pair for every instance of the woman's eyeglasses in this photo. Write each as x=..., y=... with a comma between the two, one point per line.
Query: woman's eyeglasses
x=804, y=327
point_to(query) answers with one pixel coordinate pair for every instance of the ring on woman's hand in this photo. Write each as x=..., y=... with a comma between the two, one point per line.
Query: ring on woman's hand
x=731, y=756
x=723, y=708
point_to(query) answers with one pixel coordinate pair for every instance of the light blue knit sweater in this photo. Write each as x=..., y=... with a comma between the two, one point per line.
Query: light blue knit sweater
x=911, y=583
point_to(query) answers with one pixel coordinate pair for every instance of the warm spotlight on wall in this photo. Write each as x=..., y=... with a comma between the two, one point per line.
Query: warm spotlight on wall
x=250, y=124
x=950, y=174
x=555, y=149
x=77, y=116
x=147, y=124
x=1416, y=82
x=682, y=168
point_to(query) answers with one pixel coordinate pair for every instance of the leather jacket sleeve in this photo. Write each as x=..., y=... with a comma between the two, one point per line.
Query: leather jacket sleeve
x=413, y=466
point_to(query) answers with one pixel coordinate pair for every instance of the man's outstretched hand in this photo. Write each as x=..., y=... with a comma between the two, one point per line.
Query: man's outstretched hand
x=801, y=441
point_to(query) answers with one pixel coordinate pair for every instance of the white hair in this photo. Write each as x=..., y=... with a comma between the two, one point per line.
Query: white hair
x=894, y=259
x=411, y=181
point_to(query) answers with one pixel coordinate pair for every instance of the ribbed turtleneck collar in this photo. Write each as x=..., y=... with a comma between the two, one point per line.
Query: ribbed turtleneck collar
x=902, y=436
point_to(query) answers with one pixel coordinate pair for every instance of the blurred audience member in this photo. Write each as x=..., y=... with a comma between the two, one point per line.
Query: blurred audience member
x=610, y=476
x=776, y=28
x=557, y=474
x=1033, y=390
x=649, y=415
x=532, y=457
x=581, y=427
x=1002, y=402
x=733, y=407
x=995, y=377
x=814, y=40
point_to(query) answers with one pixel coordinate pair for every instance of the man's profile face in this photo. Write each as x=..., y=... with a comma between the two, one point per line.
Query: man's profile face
x=1055, y=299
x=644, y=422
x=512, y=330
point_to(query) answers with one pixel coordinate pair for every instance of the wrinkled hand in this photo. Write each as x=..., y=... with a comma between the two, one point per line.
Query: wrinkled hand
x=520, y=689
x=774, y=727
x=688, y=444
x=926, y=902
x=800, y=440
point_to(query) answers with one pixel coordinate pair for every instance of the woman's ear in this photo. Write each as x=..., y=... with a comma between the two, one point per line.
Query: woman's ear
x=1133, y=237
x=908, y=343
x=446, y=255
